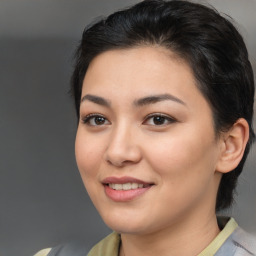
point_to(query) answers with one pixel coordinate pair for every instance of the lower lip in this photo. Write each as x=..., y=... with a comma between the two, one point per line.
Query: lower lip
x=124, y=195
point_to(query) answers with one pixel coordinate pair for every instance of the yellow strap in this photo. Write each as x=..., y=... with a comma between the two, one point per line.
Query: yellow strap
x=43, y=252
x=218, y=241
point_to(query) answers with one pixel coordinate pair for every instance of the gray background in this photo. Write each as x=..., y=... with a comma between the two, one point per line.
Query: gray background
x=42, y=199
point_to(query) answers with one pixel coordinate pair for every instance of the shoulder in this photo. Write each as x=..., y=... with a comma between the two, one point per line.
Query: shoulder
x=109, y=246
x=43, y=252
x=244, y=241
x=77, y=248
x=239, y=243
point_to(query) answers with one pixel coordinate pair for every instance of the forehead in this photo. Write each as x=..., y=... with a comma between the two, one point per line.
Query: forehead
x=145, y=67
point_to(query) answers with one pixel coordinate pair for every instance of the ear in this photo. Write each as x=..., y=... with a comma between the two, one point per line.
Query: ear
x=233, y=143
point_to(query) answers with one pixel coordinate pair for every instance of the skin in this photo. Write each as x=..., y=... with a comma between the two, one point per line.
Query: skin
x=182, y=157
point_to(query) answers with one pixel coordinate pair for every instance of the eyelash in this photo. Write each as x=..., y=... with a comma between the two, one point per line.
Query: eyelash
x=162, y=116
x=90, y=117
x=87, y=119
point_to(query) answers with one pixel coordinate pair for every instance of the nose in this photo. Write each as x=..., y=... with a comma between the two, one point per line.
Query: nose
x=123, y=148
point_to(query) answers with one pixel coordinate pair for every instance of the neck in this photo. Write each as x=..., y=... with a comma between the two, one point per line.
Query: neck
x=183, y=239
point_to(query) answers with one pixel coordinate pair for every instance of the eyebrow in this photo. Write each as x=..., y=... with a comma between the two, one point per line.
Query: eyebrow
x=96, y=99
x=157, y=98
x=139, y=102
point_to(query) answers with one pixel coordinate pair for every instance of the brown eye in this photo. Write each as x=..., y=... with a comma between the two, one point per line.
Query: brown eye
x=95, y=120
x=158, y=119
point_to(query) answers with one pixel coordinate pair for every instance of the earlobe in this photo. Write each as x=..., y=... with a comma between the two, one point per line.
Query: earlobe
x=233, y=144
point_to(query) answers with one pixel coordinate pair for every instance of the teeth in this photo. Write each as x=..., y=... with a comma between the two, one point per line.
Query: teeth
x=126, y=186
x=135, y=185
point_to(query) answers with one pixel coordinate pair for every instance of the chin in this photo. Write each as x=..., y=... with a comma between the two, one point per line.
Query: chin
x=123, y=224
x=124, y=228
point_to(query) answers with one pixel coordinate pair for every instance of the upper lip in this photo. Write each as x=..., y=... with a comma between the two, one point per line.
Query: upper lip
x=123, y=180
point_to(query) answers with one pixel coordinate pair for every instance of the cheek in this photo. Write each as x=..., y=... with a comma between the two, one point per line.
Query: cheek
x=180, y=158
x=88, y=153
x=185, y=169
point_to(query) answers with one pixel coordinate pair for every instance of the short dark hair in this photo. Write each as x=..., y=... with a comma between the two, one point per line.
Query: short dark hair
x=209, y=43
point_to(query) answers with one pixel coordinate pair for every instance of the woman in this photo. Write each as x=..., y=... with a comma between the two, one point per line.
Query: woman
x=164, y=95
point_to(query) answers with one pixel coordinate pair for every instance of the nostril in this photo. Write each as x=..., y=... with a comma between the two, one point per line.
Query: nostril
x=115, y=163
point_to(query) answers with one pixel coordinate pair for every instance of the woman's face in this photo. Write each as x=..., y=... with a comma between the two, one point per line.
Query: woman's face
x=146, y=147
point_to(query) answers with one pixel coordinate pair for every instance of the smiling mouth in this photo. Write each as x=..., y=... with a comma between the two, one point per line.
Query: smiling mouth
x=125, y=189
x=127, y=186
